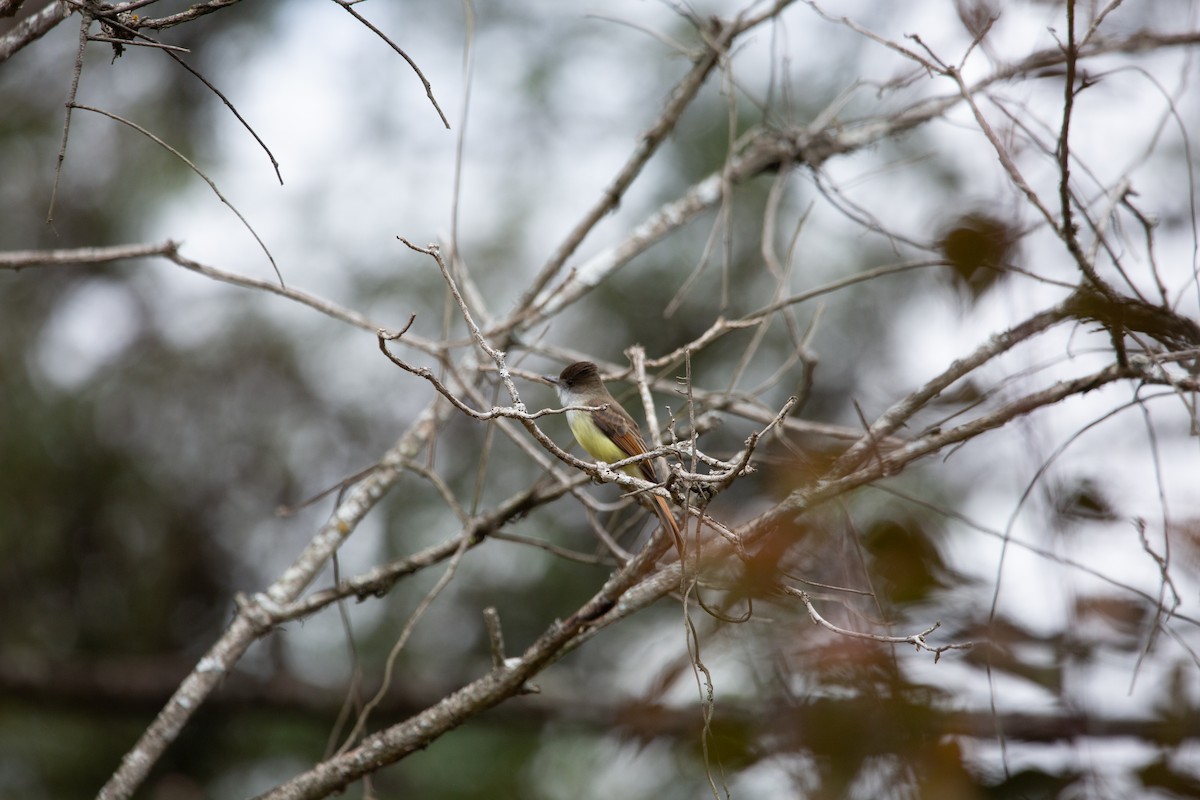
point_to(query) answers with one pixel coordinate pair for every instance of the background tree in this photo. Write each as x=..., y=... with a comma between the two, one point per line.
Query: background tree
x=919, y=281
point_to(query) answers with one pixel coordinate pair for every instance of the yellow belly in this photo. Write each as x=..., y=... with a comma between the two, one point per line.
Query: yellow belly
x=598, y=446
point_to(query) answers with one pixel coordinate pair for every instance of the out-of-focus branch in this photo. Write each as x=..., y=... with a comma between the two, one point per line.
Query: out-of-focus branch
x=840, y=480
x=133, y=686
x=901, y=412
x=24, y=259
x=768, y=148
x=717, y=41
x=28, y=259
x=32, y=28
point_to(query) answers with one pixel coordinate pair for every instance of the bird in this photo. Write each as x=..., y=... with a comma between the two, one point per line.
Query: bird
x=608, y=433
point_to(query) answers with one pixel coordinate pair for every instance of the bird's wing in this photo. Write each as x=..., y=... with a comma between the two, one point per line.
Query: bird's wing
x=625, y=434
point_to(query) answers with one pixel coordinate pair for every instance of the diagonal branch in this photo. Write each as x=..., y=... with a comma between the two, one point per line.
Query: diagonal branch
x=394, y=743
x=253, y=618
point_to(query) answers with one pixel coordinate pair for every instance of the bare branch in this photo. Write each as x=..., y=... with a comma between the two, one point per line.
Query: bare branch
x=195, y=169
x=24, y=259
x=32, y=28
x=195, y=11
x=917, y=640
x=392, y=744
x=255, y=616
x=349, y=6
x=85, y=22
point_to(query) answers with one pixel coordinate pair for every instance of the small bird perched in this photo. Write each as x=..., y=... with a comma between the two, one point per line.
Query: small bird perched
x=608, y=434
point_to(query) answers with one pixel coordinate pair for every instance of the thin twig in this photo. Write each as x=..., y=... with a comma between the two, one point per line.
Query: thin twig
x=413, y=64
x=917, y=640
x=211, y=184
x=136, y=43
x=85, y=21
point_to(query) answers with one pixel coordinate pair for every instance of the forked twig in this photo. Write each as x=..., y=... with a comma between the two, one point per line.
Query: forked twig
x=917, y=640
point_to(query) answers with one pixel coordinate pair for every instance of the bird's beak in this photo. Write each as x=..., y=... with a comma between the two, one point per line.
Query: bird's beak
x=549, y=380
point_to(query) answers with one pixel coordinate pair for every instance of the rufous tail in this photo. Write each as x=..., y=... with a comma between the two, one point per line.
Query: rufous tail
x=668, y=520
